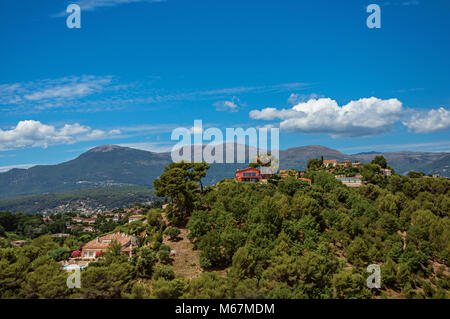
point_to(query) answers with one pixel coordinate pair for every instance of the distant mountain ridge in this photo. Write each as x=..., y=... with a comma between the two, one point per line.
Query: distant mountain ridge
x=111, y=165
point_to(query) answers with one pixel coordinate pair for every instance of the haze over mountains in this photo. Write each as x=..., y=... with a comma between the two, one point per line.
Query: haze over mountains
x=110, y=165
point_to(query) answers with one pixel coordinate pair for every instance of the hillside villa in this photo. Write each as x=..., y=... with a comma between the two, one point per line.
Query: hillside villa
x=334, y=163
x=100, y=244
x=355, y=181
x=251, y=174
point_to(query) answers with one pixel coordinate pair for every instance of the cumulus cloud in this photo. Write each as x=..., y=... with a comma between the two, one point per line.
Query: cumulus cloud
x=364, y=117
x=31, y=133
x=230, y=106
x=433, y=120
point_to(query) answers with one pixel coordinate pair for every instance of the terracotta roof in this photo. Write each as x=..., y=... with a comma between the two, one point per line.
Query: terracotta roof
x=247, y=169
x=330, y=161
x=105, y=241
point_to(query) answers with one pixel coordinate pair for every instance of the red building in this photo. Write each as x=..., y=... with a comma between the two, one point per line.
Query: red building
x=249, y=174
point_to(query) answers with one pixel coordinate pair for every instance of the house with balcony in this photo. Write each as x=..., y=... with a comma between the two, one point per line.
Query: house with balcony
x=249, y=174
x=99, y=245
x=345, y=164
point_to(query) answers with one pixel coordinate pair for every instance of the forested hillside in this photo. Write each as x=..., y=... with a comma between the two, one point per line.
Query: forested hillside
x=281, y=239
x=297, y=241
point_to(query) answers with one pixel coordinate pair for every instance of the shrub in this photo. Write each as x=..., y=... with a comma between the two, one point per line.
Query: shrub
x=59, y=254
x=154, y=217
x=164, y=271
x=164, y=254
x=173, y=233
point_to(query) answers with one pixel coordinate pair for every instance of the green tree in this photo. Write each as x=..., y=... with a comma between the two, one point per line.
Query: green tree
x=242, y=265
x=46, y=281
x=181, y=182
x=314, y=164
x=169, y=289
x=380, y=160
x=173, y=233
x=347, y=284
x=413, y=174
x=164, y=271
x=146, y=260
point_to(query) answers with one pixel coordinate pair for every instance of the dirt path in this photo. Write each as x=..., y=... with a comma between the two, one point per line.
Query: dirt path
x=187, y=261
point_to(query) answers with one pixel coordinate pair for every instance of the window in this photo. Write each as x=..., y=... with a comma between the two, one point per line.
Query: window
x=249, y=174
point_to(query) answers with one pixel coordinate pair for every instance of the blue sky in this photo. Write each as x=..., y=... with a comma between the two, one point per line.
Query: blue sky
x=138, y=69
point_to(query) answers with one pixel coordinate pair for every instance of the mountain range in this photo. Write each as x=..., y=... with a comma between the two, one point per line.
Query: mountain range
x=111, y=165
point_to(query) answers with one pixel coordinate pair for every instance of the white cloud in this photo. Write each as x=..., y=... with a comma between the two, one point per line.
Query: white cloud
x=67, y=91
x=410, y=3
x=105, y=93
x=231, y=106
x=296, y=98
x=50, y=93
x=91, y=5
x=364, y=117
x=433, y=120
x=31, y=133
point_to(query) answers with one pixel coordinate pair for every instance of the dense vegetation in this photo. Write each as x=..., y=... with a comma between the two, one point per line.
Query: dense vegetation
x=281, y=239
x=296, y=241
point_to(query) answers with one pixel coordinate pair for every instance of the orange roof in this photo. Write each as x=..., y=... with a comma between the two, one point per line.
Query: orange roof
x=105, y=241
x=330, y=161
x=248, y=168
